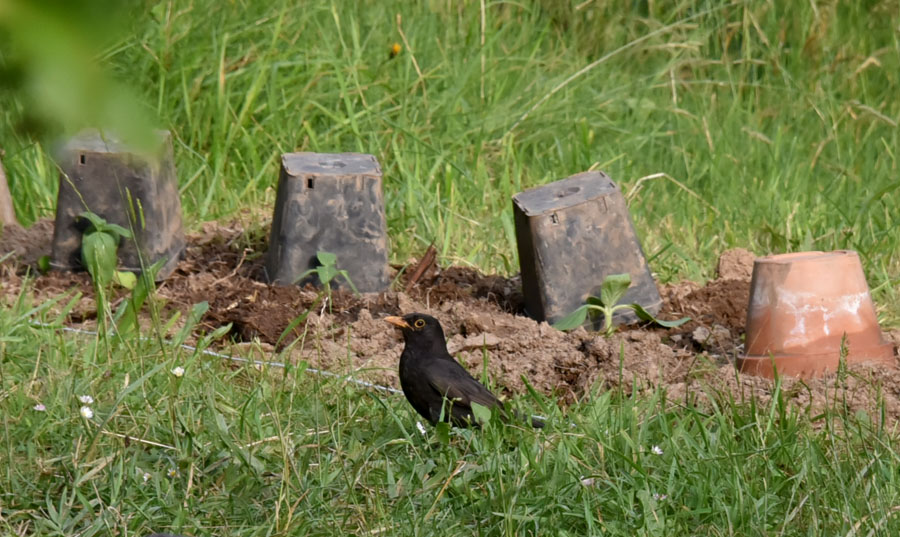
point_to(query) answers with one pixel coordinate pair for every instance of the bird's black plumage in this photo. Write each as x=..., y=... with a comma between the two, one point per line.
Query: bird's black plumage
x=429, y=375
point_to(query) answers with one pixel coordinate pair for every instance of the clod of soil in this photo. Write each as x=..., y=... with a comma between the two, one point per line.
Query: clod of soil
x=482, y=316
x=735, y=264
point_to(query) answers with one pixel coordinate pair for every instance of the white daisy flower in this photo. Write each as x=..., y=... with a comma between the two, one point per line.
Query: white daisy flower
x=178, y=371
x=39, y=407
x=86, y=399
x=86, y=412
x=146, y=477
x=656, y=450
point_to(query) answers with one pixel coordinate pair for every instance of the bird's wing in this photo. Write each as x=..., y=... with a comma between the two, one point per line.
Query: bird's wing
x=453, y=382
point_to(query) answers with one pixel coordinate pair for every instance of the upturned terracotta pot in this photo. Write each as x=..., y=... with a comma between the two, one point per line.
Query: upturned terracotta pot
x=802, y=305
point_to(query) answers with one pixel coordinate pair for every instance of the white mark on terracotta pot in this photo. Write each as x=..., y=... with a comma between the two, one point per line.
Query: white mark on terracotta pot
x=803, y=306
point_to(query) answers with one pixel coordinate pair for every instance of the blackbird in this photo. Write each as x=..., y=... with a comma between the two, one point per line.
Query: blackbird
x=429, y=375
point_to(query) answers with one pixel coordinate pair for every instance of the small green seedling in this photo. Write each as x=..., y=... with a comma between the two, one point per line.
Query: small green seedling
x=99, y=244
x=611, y=291
x=126, y=316
x=328, y=271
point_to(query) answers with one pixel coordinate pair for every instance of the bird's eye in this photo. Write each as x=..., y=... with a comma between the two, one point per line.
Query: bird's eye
x=419, y=323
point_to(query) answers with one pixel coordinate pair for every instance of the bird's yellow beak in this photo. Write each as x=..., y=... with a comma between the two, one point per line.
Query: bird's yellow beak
x=397, y=321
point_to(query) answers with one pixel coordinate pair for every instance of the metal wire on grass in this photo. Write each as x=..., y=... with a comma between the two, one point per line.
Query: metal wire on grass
x=240, y=359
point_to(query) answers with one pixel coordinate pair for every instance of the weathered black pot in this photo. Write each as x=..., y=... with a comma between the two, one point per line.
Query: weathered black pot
x=136, y=191
x=331, y=203
x=571, y=234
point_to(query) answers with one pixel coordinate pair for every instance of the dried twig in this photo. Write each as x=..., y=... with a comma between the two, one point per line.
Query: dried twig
x=422, y=267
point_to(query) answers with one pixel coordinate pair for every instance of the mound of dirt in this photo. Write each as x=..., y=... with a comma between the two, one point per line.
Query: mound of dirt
x=484, y=322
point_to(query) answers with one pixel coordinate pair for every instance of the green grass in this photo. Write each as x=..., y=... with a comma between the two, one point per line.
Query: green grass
x=238, y=450
x=778, y=119
x=767, y=125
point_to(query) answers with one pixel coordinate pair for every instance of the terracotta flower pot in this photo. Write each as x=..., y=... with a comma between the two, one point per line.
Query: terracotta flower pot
x=801, y=307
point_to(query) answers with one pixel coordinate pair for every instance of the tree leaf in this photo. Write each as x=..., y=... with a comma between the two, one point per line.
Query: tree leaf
x=645, y=315
x=572, y=320
x=613, y=288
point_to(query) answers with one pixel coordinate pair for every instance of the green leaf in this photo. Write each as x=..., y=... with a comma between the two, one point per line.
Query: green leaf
x=124, y=278
x=326, y=273
x=126, y=315
x=481, y=412
x=572, y=320
x=326, y=259
x=44, y=263
x=327, y=268
x=98, y=252
x=613, y=288
x=442, y=430
x=346, y=277
x=197, y=311
x=645, y=315
x=297, y=320
x=96, y=221
x=117, y=230
x=214, y=335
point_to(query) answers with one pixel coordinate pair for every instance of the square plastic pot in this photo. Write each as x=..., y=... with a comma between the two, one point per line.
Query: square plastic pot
x=134, y=190
x=571, y=235
x=332, y=203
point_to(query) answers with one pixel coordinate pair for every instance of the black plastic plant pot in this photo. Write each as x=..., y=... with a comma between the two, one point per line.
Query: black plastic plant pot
x=134, y=190
x=572, y=234
x=329, y=203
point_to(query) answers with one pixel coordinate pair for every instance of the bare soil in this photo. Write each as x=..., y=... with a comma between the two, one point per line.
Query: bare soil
x=484, y=320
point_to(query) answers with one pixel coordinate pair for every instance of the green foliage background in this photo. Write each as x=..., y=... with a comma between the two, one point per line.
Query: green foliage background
x=762, y=124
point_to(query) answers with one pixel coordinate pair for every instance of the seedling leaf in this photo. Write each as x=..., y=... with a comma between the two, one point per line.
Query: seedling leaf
x=613, y=288
x=96, y=221
x=115, y=229
x=645, y=315
x=572, y=320
x=98, y=252
x=326, y=258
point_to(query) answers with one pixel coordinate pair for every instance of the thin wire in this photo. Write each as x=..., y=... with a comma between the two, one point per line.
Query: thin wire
x=320, y=372
x=241, y=359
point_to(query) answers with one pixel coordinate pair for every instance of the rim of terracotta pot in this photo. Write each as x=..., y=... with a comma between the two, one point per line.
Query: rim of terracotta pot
x=804, y=307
